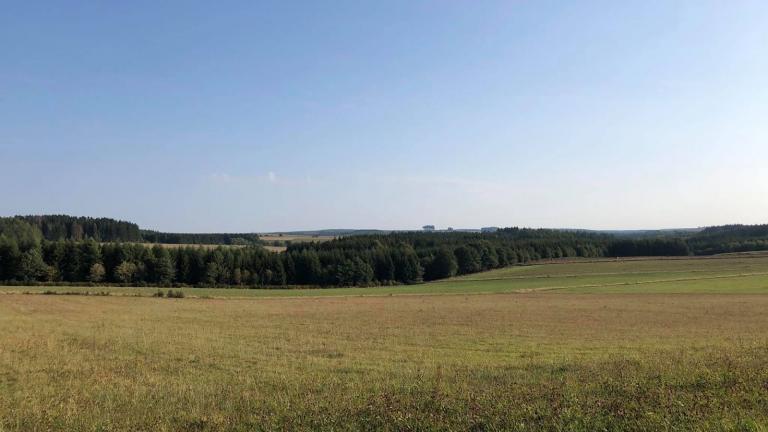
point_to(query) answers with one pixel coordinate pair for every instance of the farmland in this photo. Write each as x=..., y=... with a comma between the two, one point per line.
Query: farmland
x=294, y=238
x=190, y=245
x=630, y=345
x=279, y=242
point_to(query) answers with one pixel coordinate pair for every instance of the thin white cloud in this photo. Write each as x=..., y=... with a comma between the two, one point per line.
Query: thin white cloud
x=453, y=182
x=270, y=178
x=219, y=178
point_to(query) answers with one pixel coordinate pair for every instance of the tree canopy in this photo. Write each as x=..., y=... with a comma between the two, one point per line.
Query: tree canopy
x=55, y=250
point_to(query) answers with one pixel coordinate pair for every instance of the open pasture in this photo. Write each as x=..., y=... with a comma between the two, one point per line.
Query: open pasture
x=718, y=264
x=551, y=347
x=279, y=242
x=191, y=245
x=494, y=362
x=294, y=238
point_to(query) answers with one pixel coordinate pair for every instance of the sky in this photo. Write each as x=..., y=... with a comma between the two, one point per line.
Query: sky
x=257, y=116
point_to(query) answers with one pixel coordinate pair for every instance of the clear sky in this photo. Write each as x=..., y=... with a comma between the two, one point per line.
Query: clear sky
x=278, y=115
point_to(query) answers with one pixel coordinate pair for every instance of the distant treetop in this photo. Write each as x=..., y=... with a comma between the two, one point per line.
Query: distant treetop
x=33, y=228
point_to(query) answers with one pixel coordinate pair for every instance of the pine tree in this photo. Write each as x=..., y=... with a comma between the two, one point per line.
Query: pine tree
x=468, y=260
x=10, y=257
x=443, y=265
x=31, y=266
x=163, y=269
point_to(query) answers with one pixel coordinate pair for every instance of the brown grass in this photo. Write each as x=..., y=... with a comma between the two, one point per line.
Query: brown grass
x=294, y=238
x=520, y=361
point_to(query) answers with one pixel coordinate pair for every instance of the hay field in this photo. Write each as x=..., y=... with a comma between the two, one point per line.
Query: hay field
x=295, y=238
x=678, y=355
x=191, y=245
x=279, y=242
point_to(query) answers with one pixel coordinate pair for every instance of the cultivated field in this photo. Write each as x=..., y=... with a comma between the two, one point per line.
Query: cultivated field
x=273, y=243
x=191, y=245
x=280, y=242
x=637, y=345
x=294, y=238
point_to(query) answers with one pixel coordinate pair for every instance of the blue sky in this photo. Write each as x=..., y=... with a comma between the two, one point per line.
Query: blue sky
x=263, y=116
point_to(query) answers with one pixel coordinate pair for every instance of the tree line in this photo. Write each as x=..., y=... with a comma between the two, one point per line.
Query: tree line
x=729, y=238
x=28, y=256
x=241, y=239
x=351, y=261
x=64, y=227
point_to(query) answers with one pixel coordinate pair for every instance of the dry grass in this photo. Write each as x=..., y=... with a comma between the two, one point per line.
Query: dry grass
x=295, y=238
x=279, y=243
x=191, y=245
x=493, y=362
x=277, y=249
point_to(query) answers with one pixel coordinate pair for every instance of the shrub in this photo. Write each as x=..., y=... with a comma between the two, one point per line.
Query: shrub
x=175, y=294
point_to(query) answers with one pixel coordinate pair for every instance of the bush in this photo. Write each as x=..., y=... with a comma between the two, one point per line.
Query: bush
x=175, y=294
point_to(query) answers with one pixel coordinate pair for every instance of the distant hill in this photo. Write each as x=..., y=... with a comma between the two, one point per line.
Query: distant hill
x=651, y=233
x=617, y=233
x=709, y=240
x=63, y=227
x=351, y=232
x=730, y=238
x=33, y=228
x=200, y=238
x=332, y=232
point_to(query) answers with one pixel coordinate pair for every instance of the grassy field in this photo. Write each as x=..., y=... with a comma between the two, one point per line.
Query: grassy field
x=294, y=238
x=279, y=242
x=277, y=249
x=642, y=345
x=272, y=243
x=192, y=245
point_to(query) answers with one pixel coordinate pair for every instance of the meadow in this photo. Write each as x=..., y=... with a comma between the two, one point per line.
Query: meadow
x=279, y=242
x=294, y=238
x=629, y=345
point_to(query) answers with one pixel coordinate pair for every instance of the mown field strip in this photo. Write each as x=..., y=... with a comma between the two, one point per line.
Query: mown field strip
x=724, y=256
x=648, y=282
x=574, y=275
x=483, y=286
x=622, y=268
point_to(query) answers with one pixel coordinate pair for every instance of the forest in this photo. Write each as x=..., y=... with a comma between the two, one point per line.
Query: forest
x=65, y=250
x=63, y=227
x=205, y=238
